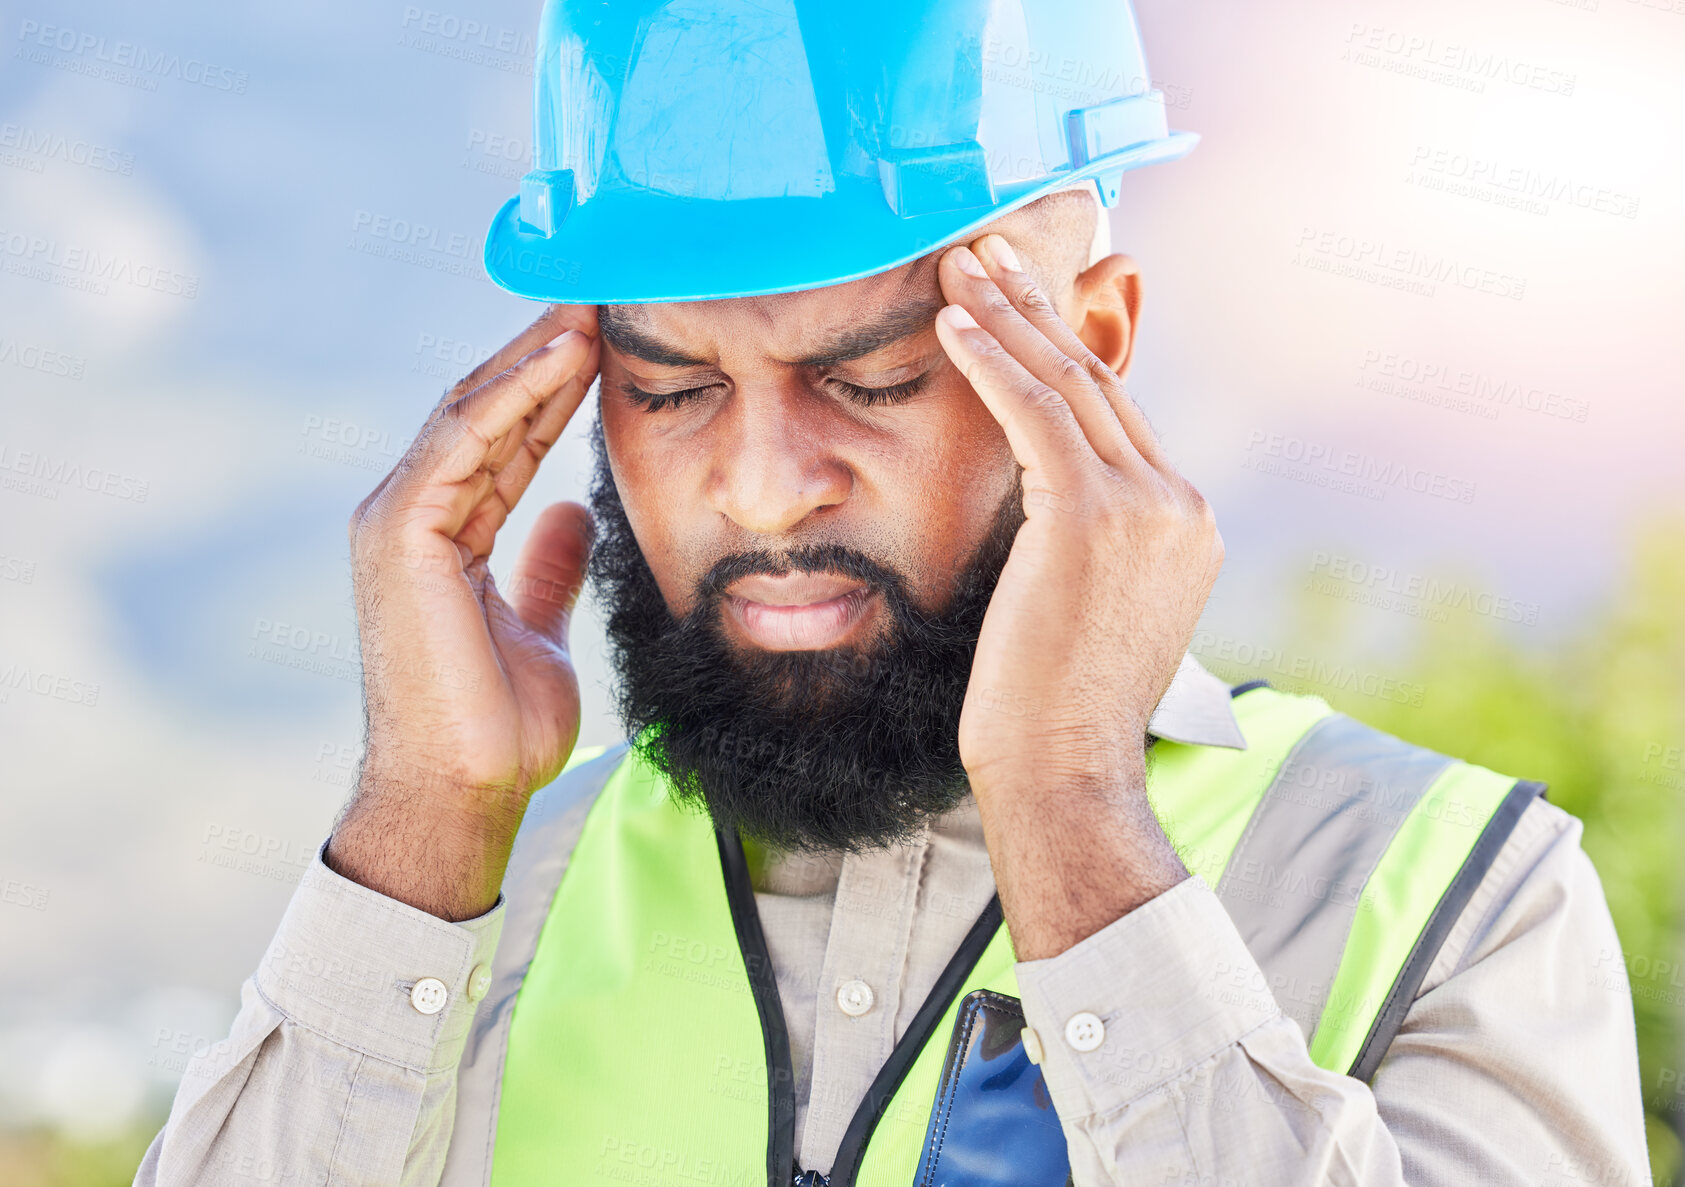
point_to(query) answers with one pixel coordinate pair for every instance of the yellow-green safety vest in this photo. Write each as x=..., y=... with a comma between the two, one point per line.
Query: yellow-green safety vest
x=647, y=1045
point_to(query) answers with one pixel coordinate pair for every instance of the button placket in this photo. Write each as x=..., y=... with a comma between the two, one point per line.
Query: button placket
x=859, y=987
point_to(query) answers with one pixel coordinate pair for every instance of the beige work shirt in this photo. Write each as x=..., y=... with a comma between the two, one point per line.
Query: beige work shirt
x=1516, y=1063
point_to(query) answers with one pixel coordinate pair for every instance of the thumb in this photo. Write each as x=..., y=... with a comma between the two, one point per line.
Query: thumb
x=551, y=570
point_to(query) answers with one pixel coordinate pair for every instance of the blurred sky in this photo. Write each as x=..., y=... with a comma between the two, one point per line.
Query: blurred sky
x=268, y=349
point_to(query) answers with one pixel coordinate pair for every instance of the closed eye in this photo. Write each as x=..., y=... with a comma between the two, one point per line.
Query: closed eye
x=656, y=401
x=894, y=394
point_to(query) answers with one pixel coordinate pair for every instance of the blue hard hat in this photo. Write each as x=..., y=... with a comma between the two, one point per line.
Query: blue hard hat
x=687, y=150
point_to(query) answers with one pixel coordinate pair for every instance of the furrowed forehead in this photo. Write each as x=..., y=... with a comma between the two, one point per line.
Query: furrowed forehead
x=833, y=325
x=814, y=327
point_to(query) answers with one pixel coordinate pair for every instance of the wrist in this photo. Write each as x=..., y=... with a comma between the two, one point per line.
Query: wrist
x=1062, y=773
x=433, y=845
x=388, y=779
x=1073, y=850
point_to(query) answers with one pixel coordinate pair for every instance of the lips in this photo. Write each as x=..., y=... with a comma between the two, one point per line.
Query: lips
x=798, y=611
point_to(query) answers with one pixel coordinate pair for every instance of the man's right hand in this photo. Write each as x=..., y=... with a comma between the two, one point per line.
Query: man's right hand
x=470, y=696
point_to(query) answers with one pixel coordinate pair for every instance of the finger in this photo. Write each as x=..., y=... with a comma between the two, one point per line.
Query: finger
x=551, y=570
x=544, y=428
x=1040, y=427
x=460, y=445
x=551, y=324
x=1020, y=288
x=516, y=459
x=554, y=321
x=443, y=484
x=1031, y=342
x=479, y=506
x=484, y=504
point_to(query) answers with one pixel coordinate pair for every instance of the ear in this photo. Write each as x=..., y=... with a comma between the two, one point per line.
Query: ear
x=1108, y=310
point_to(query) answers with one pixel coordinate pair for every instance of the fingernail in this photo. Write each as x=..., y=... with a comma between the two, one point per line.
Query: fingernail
x=957, y=317
x=1004, y=255
x=968, y=263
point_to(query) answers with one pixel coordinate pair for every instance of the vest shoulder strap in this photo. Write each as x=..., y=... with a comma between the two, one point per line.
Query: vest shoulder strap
x=1351, y=871
x=1445, y=914
x=543, y=847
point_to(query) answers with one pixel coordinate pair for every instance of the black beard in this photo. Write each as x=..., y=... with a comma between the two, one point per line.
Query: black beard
x=802, y=750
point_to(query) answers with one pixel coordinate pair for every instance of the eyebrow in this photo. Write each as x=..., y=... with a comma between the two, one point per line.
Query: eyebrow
x=912, y=315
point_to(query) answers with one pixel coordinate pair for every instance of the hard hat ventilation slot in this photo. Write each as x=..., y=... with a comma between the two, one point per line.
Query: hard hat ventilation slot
x=935, y=178
x=546, y=198
x=1109, y=128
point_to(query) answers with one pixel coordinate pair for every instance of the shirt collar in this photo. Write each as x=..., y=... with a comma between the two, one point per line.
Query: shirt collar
x=1196, y=709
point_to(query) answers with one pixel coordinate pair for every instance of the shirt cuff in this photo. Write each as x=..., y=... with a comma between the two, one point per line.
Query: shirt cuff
x=1171, y=984
x=346, y=960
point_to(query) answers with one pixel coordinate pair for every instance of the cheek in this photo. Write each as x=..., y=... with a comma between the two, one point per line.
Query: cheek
x=946, y=479
x=653, y=477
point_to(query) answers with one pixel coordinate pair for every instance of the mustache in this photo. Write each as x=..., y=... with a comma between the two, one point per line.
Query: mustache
x=807, y=558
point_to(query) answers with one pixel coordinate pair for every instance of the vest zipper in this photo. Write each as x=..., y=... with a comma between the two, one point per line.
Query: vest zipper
x=781, y=1080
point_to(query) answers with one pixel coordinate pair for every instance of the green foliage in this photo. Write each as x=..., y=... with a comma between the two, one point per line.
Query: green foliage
x=39, y=1158
x=1598, y=713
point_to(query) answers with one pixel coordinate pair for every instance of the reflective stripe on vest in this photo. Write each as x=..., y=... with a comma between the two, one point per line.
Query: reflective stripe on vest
x=636, y=1052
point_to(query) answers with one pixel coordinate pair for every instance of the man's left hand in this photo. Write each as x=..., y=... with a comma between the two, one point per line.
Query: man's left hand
x=1094, y=610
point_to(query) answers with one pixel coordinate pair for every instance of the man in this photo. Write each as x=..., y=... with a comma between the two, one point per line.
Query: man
x=933, y=856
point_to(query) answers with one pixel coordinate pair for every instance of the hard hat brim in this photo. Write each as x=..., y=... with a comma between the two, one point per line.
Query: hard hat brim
x=631, y=247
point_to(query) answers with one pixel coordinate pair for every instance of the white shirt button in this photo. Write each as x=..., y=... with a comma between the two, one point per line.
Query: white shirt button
x=479, y=982
x=1032, y=1044
x=855, y=998
x=428, y=995
x=1085, y=1031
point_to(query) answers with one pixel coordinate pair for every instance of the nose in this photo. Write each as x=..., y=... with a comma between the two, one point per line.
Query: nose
x=776, y=464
